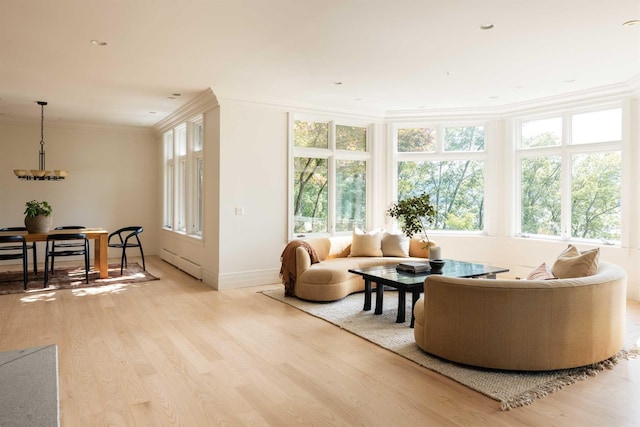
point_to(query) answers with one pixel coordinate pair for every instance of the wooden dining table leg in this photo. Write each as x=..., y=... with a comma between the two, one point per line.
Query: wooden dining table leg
x=100, y=256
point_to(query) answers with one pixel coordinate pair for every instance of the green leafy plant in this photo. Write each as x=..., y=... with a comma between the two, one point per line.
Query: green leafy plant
x=414, y=213
x=35, y=208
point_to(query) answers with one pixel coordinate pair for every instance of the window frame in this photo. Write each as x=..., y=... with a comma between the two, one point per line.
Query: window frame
x=181, y=204
x=441, y=155
x=332, y=155
x=566, y=150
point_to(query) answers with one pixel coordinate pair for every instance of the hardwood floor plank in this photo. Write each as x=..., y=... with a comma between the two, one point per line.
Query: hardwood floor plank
x=176, y=352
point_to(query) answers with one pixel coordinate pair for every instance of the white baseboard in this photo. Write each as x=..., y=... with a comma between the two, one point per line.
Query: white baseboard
x=183, y=264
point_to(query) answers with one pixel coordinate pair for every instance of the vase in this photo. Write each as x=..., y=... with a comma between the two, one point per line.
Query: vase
x=436, y=266
x=38, y=224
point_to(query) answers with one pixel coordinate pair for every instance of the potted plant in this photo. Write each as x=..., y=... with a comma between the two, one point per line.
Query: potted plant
x=38, y=217
x=414, y=213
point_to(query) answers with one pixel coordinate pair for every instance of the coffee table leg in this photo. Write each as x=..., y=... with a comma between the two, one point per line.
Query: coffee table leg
x=367, y=295
x=379, y=298
x=402, y=302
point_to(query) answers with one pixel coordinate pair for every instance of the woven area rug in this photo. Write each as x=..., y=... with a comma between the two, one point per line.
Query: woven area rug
x=512, y=389
x=71, y=278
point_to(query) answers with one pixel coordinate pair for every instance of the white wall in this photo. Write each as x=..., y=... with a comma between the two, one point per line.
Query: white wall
x=112, y=182
x=253, y=177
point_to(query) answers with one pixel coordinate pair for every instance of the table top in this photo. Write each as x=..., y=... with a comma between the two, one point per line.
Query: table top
x=43, y=236
x=452, y=268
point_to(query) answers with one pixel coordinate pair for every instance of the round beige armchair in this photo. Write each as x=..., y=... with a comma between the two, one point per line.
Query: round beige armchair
x=531, y=325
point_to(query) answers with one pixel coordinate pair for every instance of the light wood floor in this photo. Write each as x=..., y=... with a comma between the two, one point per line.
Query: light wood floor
x=176, y=352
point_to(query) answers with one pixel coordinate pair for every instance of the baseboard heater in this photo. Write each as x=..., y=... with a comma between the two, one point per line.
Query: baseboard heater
x=188, y=266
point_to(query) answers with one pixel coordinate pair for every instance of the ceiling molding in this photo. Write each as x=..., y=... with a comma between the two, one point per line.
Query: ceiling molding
x=611, y=93
x=202, y=103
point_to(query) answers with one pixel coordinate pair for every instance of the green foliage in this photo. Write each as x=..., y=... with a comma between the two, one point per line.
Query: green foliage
x=311, y=134
x=470, y=138
x=456, y=189
x=35, y=208
x=540, y=197
x=416, y=140
x=351, y=138
x=413, y=213
x=595, y=196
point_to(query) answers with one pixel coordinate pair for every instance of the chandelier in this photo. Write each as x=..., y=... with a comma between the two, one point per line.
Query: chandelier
x=41, y=174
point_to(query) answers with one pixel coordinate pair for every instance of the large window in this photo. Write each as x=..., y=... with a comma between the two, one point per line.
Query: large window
x=329, y=182
x=448, y=163
x=183, y=178
x=570, y=172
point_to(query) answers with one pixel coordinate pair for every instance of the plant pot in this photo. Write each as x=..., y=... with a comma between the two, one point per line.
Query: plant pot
x=38, y=224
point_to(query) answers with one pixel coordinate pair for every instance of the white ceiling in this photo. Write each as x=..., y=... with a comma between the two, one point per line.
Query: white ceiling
x=388, y=54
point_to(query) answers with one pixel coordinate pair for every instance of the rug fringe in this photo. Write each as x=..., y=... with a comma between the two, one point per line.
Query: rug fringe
x=530, y=396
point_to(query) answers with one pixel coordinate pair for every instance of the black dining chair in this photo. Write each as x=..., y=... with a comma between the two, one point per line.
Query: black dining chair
x=15, y=247
x=53, y=251
x=127, y=237
x=31, y=246
x=76, y=244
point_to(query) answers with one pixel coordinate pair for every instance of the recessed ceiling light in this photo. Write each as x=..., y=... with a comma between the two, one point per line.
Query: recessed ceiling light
x=337, y=83
x=487, y=26
x=98, y=42
x=171, y=97
x=152, y=112
x=631, y=23
x=176, y=94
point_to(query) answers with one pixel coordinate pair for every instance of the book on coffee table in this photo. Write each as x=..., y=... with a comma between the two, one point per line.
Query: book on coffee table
x=414, y=267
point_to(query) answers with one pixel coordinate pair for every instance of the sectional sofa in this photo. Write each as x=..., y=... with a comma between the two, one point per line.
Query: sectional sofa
x=329, y=279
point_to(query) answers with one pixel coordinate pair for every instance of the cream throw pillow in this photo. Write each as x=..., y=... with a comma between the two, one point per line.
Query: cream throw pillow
x=573, y=263
x=366, y=244
x=395, y=244
x=542, y=272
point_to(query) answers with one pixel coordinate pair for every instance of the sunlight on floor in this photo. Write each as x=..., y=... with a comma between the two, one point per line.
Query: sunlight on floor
x=39, y=296
x=98, y=290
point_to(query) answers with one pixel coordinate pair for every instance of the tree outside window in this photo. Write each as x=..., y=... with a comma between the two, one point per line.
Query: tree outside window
x=588, y=165
x=329, y=177
x=449, y=168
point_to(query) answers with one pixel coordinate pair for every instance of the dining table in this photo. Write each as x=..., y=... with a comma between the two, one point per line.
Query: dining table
x=101, y=248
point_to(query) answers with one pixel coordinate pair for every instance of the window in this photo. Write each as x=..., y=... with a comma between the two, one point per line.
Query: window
x=448, y=163
x=330, y=168
x=168, y=179
x=184, y=178
x=570, y=172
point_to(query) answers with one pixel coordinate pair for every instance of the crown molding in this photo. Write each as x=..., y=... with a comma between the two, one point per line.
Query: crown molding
x=205, y=101
x=78, y=125
x=604, y=94
x=308, y=107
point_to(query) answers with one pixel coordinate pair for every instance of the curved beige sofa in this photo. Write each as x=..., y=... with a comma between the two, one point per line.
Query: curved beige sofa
x=524, y=324
x=330, y=280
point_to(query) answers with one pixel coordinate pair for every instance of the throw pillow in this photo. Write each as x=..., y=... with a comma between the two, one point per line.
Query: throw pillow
x=395, y=244
x=542, y=272
x=573, y=263
x=366, y=244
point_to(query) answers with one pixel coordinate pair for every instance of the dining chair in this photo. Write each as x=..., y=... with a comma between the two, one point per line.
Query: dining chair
x=31, y=246
x=54, y=250
x=76, y=244
x=125, y=240
x=11, y=244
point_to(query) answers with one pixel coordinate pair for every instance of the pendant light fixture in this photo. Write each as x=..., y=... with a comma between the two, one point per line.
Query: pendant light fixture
x=41, y=173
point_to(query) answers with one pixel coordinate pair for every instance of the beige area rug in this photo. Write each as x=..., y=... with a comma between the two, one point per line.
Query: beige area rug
x=72, y=278
x=512, y=389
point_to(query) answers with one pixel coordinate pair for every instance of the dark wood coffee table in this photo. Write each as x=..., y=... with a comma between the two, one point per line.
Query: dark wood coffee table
x=387, y=275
